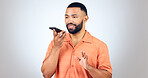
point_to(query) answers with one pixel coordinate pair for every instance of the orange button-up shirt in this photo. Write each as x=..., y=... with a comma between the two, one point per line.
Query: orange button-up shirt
x=69, y=67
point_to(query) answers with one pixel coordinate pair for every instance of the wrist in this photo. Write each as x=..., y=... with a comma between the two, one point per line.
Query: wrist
x=56, y=48
x=88, y=67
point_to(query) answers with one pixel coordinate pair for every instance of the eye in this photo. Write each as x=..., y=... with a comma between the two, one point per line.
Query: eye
x=66, y=17
x=74, y=17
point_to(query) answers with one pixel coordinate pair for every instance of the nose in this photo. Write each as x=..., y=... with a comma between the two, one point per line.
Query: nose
x=69, y=20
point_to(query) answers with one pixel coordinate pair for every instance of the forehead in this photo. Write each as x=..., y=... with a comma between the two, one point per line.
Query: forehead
x=74, y=10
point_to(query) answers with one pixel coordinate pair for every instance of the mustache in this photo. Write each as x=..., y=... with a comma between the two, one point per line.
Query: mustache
x=71, y=24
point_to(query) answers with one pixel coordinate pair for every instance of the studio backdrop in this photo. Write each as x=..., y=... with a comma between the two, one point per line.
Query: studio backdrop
x=25, y=34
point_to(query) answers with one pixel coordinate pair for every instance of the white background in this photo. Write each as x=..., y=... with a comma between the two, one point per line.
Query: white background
x=24, y=34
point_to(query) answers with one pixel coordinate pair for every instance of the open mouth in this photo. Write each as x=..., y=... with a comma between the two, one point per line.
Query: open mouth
x=71, y=26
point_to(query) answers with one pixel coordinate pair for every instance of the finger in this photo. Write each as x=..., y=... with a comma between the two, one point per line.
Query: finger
x=54, y=33
x=82, y=53
x=63, y=36
x=85, y=56
x=60, y=34
x=77, y=58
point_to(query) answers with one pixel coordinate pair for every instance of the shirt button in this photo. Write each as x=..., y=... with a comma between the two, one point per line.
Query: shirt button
x=72, y=65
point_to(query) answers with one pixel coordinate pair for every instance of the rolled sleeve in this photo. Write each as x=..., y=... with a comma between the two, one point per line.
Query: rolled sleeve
x=48, y=50
x=103, y=59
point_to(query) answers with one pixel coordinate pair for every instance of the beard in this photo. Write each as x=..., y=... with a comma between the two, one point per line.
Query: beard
x=77, y=27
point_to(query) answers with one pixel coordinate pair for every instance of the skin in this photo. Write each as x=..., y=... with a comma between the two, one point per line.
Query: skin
x=50, y=64
x=95, y=73
x=73, y=15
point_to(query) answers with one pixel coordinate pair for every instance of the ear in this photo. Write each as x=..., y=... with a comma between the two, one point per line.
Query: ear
x=85, y=18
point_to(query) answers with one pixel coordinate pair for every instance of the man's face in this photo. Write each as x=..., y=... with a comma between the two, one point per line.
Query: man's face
x=74, y=19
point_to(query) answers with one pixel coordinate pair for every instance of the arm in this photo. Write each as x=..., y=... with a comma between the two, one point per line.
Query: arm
x=95, y=73
x=50, y=64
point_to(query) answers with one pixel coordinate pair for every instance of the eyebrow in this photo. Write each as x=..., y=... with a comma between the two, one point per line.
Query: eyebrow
x=71, y=15
x=66, y=14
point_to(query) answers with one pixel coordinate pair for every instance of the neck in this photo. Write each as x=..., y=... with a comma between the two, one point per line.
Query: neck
x=77, y=37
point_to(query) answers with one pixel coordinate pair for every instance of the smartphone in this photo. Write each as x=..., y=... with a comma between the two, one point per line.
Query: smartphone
x=56, y=29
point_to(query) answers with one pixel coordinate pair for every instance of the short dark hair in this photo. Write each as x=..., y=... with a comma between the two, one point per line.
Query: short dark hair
x=80, y=5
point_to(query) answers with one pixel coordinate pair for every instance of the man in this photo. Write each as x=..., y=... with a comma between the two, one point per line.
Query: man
x=76, y=54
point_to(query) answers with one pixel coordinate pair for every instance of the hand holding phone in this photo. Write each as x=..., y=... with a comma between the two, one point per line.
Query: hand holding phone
x=57, y=29
x=59, y=36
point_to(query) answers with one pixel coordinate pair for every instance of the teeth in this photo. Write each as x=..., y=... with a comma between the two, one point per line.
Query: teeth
x=71, y=26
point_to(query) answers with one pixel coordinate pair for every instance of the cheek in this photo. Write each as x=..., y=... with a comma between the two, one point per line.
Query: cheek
x=66, y=22
x=77, y=21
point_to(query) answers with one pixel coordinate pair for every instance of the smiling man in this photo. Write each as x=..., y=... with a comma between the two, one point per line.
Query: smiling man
x=76, y=54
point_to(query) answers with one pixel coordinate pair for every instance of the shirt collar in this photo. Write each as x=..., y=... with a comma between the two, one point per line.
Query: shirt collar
x=87, y=37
